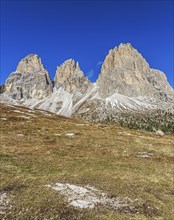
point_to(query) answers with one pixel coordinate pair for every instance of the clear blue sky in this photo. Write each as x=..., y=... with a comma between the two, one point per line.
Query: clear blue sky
x=85, y=31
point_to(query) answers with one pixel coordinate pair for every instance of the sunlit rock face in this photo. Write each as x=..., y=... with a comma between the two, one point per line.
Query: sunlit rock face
x=70, y=77
x=126, y=85
x=30, y=80
x=30, y=64
x=126, y=72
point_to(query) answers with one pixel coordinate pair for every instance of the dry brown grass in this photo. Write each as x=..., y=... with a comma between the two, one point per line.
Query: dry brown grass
x=36, y=151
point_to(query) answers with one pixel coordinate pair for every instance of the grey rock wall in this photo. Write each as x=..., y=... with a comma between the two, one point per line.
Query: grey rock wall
x=30, y=80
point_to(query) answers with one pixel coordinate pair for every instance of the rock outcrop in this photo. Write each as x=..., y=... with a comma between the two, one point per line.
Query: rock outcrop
x=70, y=77
x=126, y=72
x=127, y=89
x=159, y=81
x=71, y=87
x=30, y=80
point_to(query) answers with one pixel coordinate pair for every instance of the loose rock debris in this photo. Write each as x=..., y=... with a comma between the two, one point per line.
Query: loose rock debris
x=70, y=135
x=88, y=197
x=4, y=119
x=145, y=154
x=3, y=202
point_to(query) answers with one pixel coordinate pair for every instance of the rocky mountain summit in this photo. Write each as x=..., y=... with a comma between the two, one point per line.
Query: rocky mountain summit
x=126, y=86
x=126, y=72
x=30, y=80
x=70, y=77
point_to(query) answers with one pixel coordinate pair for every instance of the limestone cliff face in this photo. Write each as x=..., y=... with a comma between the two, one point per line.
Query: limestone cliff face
x=126, y=83
x=126, y=72
x=70, y=77
x=159, y=81
x=30, y=64
x=30, y=80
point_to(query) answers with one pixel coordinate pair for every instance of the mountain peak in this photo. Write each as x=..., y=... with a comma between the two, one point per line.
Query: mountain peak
x=126, y=83
x=30, y=64
x=128, y=45
x=70, y=76
x=30, y=80
x=124, y=71
x=69, y=66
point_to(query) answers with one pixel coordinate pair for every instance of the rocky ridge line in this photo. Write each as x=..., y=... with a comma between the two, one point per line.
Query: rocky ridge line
x=126, y=84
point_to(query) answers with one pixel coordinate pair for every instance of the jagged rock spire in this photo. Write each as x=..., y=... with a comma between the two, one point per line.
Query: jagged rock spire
x=30, y=64
x=70, y=77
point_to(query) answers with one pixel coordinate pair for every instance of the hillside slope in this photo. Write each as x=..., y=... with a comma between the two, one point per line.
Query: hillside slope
x=133, y=169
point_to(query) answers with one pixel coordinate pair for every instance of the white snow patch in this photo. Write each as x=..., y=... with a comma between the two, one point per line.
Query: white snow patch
x=88, y=197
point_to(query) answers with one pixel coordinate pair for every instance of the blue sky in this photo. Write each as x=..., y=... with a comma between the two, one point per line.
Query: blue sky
x=85, y=31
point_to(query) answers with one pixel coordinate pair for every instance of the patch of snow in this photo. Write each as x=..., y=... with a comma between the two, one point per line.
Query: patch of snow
x=88, y=197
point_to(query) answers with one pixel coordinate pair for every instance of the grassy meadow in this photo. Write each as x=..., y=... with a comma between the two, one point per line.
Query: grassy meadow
x=35, y=151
